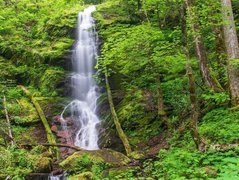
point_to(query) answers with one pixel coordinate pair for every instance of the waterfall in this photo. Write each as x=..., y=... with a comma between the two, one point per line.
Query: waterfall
x=59, y=177
x=84, y=89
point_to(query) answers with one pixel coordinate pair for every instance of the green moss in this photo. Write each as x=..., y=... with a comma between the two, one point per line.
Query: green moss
x=22, y=112
x=109, y=13
x=25, y=134
x=82, y=176
x=106, y=156
x=137, y=155
x=93, y=161
x=50, y=79
x=43, y=165
x=122, y=173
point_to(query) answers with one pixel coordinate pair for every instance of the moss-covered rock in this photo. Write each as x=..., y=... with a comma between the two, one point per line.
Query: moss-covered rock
x=43, y=165
x=95, y=162
x=106, y=156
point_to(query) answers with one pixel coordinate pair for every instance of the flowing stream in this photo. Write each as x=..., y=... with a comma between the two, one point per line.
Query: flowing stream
x=84, y=89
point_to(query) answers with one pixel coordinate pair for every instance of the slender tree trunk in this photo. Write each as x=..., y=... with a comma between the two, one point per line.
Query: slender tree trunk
x=161, y=107
x=119, y=129
x=209, y=81
x=8, y=120
x=191, y=83
x=50, y=137
x=232, y=48
x=194, y=103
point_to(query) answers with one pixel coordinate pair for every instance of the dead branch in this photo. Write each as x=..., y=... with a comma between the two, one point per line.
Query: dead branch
x=8, y=120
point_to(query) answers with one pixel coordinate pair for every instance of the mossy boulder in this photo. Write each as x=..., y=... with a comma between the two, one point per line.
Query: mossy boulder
x=83, y=161
x=43, y=165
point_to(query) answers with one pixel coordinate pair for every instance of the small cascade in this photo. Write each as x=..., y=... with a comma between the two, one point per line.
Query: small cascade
x=82, y=108
x=58, y=177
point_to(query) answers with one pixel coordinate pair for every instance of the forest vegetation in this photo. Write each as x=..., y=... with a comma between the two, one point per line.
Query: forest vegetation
x=169, y=77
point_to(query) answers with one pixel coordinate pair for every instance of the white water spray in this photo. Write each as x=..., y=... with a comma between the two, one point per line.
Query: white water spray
x=83, y=107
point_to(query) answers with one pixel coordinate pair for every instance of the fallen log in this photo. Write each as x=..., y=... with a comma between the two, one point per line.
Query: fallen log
x=50, y=137
x=119, y=129
x=57, y=145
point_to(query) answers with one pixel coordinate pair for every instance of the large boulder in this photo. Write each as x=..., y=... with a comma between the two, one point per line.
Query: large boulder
x=87, y=158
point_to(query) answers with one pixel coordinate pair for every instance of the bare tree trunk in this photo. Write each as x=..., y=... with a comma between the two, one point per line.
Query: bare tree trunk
x=209, y=81
x=161, y=107
x=50, y=137
x=8, y=120
x=231, y=43
x=119, y=129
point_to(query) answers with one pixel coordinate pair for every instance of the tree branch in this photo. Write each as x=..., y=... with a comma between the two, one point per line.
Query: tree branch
x=57, y=145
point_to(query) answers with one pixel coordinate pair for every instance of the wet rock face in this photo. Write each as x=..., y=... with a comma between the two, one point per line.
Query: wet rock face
x=64, y=136
x=57, y=120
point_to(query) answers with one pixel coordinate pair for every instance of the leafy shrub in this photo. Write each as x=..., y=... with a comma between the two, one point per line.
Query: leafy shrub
x=179, y=163
x=220, y=126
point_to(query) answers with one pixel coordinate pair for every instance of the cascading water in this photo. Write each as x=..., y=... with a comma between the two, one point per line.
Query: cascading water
x=84, y=88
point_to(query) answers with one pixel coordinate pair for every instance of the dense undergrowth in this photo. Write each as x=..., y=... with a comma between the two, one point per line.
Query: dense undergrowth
x=141, y=51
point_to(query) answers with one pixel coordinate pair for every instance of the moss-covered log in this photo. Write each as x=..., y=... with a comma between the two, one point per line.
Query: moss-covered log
x=119, y=129
x=50, y=137
x=54, y=145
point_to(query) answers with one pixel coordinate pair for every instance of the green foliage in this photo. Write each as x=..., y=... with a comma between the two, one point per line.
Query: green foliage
x=23, y=112
x=35, y=35
x=183, y=164
x=216, y=98
x=16, y=162
x=14, y=93
x=49, y=80
x=123, y=173
x=176, y=95
x=141, y=44
x=220, y=126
